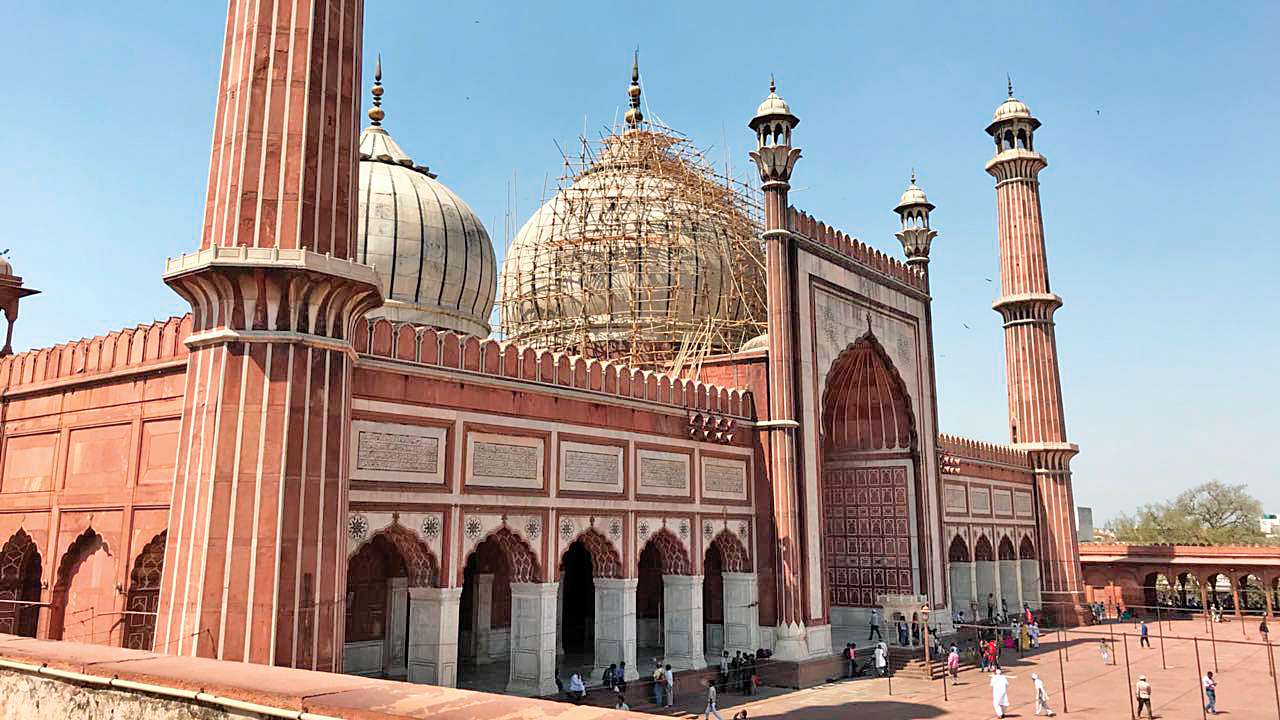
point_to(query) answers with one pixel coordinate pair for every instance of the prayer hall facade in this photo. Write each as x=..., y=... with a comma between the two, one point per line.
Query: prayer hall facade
x=708, y=421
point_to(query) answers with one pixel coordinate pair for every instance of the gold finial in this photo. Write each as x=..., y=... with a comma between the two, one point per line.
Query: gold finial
x=1010, y=79
x=634, y=117
x=376, y=114
x=773, y=89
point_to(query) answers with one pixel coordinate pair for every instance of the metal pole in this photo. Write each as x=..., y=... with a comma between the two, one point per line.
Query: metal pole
x=1062, y=640
x=1204, y=714
x=1124, y=638
x=1062, y=678
x=1213, y=642
x=1112, y=630
x=1163, y=665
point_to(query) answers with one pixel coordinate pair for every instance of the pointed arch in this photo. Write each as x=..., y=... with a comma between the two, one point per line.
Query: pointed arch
x=20, y=571
x=524, y=564
x=420, y=563
x=675, y=559
x=1026, y=549
x=982, y=550
x=143, y=601
x=865, y=402
x=78, y=607
x=958, y=551
x=733, y=554
x=605, y=562
x=1006, y=549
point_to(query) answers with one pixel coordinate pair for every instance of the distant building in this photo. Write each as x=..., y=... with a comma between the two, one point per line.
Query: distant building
x=1084, y=524
x=1269, y=524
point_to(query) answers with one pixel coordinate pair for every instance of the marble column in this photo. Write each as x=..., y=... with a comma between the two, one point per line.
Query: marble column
x=433, y=635
x=482, y=618
x=1030, y=581
x=741, y=612
x=1010, y=586
x=987, y=585
x=533, y=639
x=682, y=621
x=961, y=581
x=560, y=621
x=615, y=636
x=395, y=662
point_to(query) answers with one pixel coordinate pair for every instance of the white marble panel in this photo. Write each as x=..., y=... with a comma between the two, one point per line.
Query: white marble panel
x=397, y=453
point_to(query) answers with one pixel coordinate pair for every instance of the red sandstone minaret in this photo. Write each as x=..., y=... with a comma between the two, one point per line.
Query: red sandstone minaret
x=255, y=562
x=1026, y=303
x=775, y=158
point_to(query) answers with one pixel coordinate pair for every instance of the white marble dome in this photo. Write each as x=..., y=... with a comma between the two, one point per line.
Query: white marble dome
x=1010, y=109
x=432, y=254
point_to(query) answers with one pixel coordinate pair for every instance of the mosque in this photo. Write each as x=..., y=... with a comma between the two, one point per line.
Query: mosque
x=705, y=419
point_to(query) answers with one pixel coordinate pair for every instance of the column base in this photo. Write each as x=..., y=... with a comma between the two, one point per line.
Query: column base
x=533, y=639
x=433, y=635
x=1066, y=609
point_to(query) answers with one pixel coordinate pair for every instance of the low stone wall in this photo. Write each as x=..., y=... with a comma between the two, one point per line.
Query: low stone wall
x=43, y=680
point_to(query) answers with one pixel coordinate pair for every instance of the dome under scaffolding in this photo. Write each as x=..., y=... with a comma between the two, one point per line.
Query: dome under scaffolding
x=644, y=255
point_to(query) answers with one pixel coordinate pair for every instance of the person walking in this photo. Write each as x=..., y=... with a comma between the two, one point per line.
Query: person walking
x=711, y=703
x=1000, y=692
x=1210, y=693
x=1042, y=697
x=659, y=680
x=1144, y=635
x=670, y=678
x=875, y=625
x=1106, y=652
x=953, y=663
x=847, y=654
x=882, y=663
x=1143, y=691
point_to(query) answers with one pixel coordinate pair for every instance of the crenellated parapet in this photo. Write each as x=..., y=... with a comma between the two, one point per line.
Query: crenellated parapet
x=980, y=451
x=801, y=223
x=146, y=346
x=710, y=407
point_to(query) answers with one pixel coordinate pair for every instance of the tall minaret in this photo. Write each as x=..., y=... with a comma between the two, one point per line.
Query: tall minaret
x=1026, y=303
x=916, y=235
x=775, y=158
x=255, y=562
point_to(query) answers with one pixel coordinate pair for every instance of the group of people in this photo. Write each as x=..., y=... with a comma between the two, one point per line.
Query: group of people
x=739, y=672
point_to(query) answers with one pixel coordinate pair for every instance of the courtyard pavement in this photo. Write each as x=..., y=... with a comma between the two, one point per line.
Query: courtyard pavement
x=1093, y=689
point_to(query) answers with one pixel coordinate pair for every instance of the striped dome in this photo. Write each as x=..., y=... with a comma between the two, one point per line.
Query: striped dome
x=432, y=254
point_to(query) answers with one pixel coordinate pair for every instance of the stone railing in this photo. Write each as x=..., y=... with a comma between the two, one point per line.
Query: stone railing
x=979, y=451
x=802, y=223
x=42, y=679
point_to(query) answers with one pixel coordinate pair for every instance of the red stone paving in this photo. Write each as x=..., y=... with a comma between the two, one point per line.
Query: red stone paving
x=1245, y=688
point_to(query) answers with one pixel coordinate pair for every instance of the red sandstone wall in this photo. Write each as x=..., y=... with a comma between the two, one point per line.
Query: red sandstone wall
x=90, y=433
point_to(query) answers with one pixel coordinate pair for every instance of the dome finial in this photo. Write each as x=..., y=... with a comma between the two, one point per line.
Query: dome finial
x=913, y=176
x=773, y=89
x=634, y=117
x=1009, y=77
x=376, y=113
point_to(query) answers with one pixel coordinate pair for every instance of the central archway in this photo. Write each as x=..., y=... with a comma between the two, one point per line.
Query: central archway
x=868, y=485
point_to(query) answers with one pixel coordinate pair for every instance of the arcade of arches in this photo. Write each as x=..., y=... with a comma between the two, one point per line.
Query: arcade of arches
x=500, y=628
x=992, y=577
x=83, y=602
x=1239, y=580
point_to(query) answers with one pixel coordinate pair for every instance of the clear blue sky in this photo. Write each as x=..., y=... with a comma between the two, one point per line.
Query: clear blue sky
x=1160, y=203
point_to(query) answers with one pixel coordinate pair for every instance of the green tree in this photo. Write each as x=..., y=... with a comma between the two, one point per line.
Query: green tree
x=1212, y=513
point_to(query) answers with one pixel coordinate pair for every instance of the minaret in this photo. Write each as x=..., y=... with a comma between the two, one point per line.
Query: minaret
x=916, y=236
x=1027, y=305
x=775, y=158
x=255, y=563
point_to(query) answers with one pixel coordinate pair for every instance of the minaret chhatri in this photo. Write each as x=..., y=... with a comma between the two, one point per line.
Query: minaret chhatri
x=255, y=563
x=775, y=158
x=1027, y=305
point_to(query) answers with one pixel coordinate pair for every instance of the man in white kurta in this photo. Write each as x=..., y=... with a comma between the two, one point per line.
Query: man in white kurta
x=999, y=692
